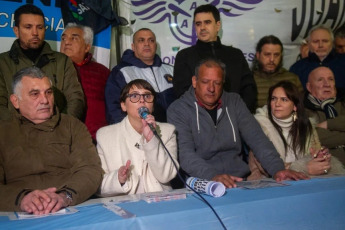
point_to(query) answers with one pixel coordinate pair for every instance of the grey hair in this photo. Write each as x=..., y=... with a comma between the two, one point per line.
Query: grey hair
x=32, y=72
x=87, y=31
x=210, y=62
x=321, y=27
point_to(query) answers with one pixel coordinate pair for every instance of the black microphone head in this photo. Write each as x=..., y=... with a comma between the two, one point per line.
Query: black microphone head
x=143, y=112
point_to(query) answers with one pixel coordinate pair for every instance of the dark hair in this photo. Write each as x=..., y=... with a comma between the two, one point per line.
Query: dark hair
x=301, y=129
x=26, y=9
x=32, y=72
x=208, y=8
x=340, y=32
x=140, y=84
x=210, y=62
x=269, y=39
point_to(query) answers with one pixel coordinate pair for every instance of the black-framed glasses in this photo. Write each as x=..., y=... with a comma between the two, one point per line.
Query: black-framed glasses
x=135, y=97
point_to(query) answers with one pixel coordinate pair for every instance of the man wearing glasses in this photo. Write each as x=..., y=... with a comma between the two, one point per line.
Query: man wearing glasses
x=140, y=62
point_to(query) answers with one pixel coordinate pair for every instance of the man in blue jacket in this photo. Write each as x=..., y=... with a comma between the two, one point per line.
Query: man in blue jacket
x=211, y=126
x=321, y=53
x=141, y=62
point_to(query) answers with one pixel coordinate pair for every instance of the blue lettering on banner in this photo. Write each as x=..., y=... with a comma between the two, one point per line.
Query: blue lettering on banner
x=53, y=20
x=166, y=60
x=193, y=6
x=169, y=60
x=184, y=23
x=249, y=56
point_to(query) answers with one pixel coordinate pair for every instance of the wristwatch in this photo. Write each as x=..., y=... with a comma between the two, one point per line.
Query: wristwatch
x=68, y=196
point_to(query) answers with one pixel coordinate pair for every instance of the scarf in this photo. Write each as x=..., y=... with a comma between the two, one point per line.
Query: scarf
x=325, y=105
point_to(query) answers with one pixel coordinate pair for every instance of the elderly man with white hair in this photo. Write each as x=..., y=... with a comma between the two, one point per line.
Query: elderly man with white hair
x=327, y=111
x=321, y=53
x=76, y=43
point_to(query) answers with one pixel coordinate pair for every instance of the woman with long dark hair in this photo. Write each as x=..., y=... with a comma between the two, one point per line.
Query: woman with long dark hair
x=286, y=124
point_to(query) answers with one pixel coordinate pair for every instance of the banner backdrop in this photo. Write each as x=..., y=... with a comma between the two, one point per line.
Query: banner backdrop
x=244, y=22
x=54, y=27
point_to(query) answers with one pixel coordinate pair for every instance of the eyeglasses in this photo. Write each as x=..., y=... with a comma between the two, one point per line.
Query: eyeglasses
x=135, y=97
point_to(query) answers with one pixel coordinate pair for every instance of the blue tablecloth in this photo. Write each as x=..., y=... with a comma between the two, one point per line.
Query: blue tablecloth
x=310, y=204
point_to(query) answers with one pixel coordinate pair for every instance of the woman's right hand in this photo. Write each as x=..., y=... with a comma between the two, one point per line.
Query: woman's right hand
x=319, y=165
x=147, y=132
x=124, y=172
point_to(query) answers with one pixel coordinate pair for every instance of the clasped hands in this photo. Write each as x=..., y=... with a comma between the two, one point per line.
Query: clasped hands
x=321, y=162
x=41, y=202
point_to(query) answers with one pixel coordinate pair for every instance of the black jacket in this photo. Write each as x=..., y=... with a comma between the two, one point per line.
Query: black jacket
x=239, y=78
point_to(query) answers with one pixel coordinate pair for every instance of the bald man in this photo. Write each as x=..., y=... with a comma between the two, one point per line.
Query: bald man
x=327, y=111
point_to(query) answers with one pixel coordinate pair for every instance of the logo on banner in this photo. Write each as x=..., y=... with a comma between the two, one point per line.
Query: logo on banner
x=312, y=13
x=179, y=14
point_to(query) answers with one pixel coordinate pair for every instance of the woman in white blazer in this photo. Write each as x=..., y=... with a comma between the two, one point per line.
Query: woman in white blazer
x=133, y=159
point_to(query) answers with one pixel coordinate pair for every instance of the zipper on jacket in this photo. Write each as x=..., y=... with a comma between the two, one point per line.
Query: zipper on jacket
x=213, y=50
x=154, y=77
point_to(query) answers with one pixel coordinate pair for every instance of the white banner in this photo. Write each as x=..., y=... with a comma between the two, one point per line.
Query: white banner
x=244, y=22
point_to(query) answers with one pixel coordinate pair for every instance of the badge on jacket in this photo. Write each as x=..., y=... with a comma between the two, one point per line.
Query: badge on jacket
x=168, y=77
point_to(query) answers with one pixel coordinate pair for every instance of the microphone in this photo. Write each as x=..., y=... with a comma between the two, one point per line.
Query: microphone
x=143, y=112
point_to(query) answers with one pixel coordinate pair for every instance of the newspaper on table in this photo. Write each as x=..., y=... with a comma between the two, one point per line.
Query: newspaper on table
x=25, y=215
x=257, y=184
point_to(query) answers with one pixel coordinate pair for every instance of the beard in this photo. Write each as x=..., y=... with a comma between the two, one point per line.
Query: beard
x=35, y=46
x=261, y=68
x=28, y=45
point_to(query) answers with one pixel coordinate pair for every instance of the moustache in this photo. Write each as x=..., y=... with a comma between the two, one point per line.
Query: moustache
x=43, y=107
x=35, y=38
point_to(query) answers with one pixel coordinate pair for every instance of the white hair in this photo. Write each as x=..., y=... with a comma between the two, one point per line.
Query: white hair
x=88, y=32
x=321, y=27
